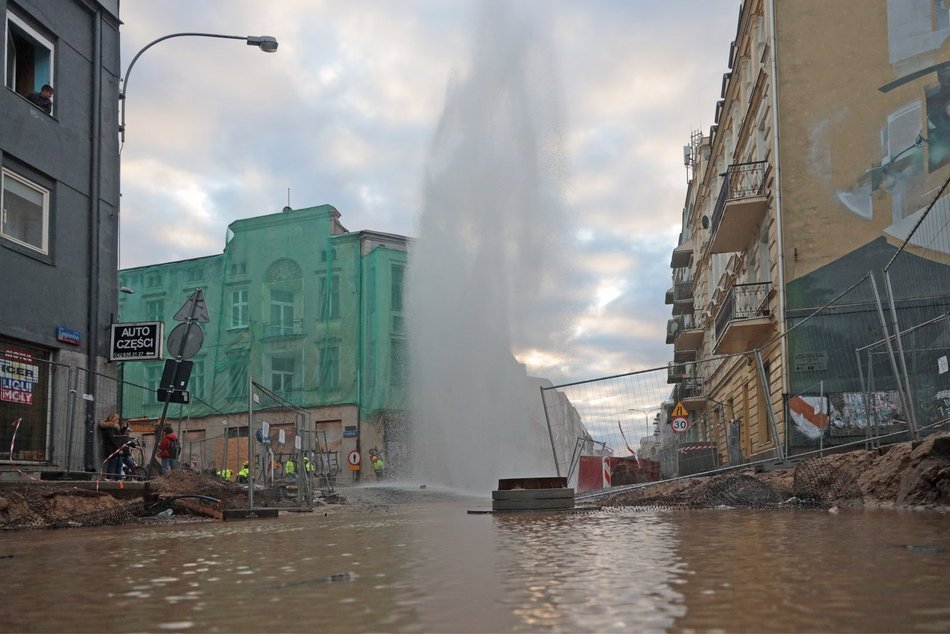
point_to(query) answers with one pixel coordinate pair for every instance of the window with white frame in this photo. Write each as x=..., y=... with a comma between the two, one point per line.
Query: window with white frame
x=239, y=308
x=330, y=365
x=281, y=313
x=330, y=296
x=397, y=273
x=155, y=309
x=282, y=373
x=153, y=374
x=29, y=57
x=196, y=384
x=24, y=212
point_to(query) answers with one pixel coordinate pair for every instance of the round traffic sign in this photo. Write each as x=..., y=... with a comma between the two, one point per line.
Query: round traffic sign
x=679, y=424
x=189, y=346
x=353, y=457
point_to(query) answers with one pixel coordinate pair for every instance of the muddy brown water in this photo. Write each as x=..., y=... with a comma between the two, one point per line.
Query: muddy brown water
x=416, y=561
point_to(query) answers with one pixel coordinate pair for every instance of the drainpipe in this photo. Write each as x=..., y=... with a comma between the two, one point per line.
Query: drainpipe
x=95, y=202
x=779, y=233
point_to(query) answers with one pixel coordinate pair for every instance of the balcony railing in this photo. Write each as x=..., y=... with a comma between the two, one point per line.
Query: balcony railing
x=692, y=389
x=675, y=372
x=744, y=301
x=292, y=328
x=742, y=181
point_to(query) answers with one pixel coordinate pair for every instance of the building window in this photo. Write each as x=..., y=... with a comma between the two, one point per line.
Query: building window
x=155, y=310
x=24, y=212
x=330, y=365
x=238, y=268
x=281, y=313
x=399, y=324
x=196, y=384
x=153, y=374
x=330, y=296
x=239, y=308
x=153, y=280
x=282, y=374
x=29, y=57
x=395, y=294
x=194, y=274
x=237, y=381
x=398, y=363
x=372, y=289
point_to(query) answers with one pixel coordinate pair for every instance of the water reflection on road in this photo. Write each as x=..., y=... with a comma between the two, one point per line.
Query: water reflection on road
x=423, y=564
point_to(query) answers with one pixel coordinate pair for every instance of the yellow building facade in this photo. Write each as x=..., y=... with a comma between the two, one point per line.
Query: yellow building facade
x=831, y=142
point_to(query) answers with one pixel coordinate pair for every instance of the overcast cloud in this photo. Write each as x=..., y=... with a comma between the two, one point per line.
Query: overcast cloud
x=345, y=113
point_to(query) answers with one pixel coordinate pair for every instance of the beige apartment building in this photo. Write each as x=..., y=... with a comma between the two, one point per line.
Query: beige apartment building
x=830, y=141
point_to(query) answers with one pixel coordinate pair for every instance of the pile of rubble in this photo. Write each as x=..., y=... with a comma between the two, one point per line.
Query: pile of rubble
x=905, y=475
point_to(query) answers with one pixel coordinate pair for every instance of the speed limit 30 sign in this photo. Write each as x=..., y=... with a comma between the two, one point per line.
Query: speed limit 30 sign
x=679, y=424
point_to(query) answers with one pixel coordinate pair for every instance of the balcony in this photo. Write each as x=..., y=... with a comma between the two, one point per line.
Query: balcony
x=742, y=323
x=742, y=203
x=692, y=394
x=277, y=329
x=672, y=328
x=682, y=256
x=675, y=373
x=669, y=296
x=682, y=298
x=690, y=334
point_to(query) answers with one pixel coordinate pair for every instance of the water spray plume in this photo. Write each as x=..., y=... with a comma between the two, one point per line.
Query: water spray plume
x=491, y=218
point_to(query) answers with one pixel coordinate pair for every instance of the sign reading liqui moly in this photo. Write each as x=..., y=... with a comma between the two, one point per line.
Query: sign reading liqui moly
x=18, y=377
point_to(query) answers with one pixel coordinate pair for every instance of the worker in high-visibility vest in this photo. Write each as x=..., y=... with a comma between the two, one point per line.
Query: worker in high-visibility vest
x=244, y=473
x=225, y=474
x=290, y=469
x=308, y=465
x=378, y=466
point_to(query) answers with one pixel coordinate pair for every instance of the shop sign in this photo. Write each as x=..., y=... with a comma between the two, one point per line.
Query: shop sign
x=139, y=341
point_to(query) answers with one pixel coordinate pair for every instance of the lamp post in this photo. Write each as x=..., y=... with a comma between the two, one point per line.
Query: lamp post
x=266, y=43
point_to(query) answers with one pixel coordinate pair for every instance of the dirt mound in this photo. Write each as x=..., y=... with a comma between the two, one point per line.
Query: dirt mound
x=36, y=506
x=906, y=475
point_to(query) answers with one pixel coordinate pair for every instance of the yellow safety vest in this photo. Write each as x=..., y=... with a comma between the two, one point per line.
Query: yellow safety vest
x=290, y=467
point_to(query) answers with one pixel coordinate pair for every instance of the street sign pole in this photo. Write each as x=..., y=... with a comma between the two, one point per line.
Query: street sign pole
x=194, y=313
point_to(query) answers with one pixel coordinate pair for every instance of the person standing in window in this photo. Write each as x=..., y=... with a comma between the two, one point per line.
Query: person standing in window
x=43, y=98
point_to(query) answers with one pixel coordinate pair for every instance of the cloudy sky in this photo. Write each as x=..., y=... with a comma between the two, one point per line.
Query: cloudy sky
x=346, y=111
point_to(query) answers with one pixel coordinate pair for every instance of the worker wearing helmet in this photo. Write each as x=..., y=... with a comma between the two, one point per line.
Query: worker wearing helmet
x=244, y=473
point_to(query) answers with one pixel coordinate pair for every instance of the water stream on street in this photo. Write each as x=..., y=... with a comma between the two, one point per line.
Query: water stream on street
x=415, y=561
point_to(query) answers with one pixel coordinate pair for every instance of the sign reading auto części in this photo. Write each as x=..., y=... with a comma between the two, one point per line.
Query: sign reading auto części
x=139, y=341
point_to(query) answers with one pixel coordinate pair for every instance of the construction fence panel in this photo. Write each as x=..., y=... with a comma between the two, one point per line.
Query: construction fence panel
x=917, y=280
x=281, y=461
x=844, y=385
x=627, y=429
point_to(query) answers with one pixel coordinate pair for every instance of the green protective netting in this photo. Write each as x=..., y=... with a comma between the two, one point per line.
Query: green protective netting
x=309, y=310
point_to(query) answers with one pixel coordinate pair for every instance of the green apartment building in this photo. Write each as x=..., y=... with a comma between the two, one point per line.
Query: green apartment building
x=305, y=308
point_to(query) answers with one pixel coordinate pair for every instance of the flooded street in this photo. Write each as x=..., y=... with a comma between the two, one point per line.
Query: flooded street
x=415, y=561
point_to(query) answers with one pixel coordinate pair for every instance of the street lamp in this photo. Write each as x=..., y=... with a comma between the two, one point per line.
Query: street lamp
x=266, y=43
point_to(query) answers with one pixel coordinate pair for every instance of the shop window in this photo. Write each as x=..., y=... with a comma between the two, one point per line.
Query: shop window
x=25, y=383
x=29, y=57
x=24, y=212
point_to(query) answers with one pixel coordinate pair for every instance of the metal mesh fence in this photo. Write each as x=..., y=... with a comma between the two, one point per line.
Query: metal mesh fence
x=279, y=458
x=637, y=431
x=843, y=384
x=918, y=288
